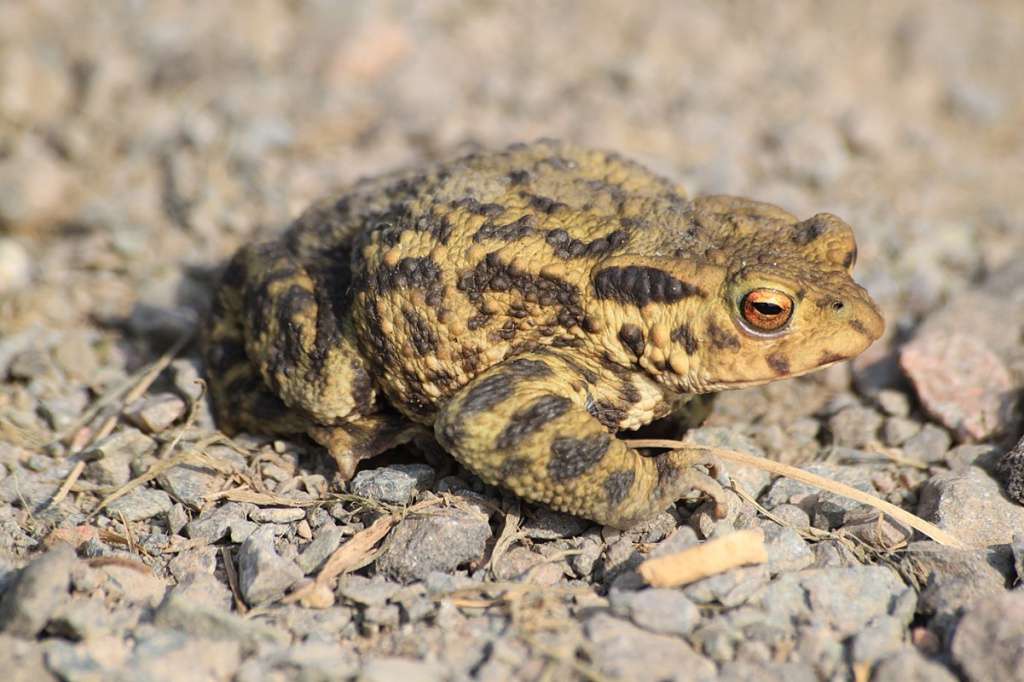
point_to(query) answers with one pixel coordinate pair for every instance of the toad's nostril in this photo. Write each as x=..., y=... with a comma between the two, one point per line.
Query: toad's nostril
x=837, y=306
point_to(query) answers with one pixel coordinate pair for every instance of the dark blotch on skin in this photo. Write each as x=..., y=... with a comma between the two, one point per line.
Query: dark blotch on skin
x=639, y=285
x=632, y=337
x=778, y=363
x=531, y=419
x=618, y=485
x=722, y=339
x=224, y=355
x=809, y=230
x=850, y=259
x=573, y=457
x=827, y=358
x=608, y=414
x=421, y=333
x=488, y=393
x=519, y=177
x=683, y=334
x=858, y=327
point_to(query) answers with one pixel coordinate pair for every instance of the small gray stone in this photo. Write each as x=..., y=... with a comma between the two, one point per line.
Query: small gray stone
x=662, y=611
x=177, y=518
x=327, y=538
x=170, y=656
x=36, y=594
x=545, y=524
x=894, y=403
x=212, y=525
x=910, y=666
x=854, y=427
x=140, y=504
x=156, y=413
x=308, y=661
x=830, y=509
x=616, y=644
x=277, y=514
x=898, y=430
x=955, y=578
x=15, y=266
x=206, y=620
x=395, y=484
x=882, y=637
x=109, y=459
x=389, y=669
x=989, y=640
x=968, y=454
x=929, y=445
x=1017, y=549
x=203, y=588
x=750, y=479
x=263, y=574
x=741, y=671
x=22, y=660
x=440, y=541
x=787, y=551
x=80, y=619
x=845, y=599
x=970, y=504
x=366, y=591
x=730, y=589
x=190, y=484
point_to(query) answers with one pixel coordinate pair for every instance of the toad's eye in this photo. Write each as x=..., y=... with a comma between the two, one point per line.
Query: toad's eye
x=766, y=310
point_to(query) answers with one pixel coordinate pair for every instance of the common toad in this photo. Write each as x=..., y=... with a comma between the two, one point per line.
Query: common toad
x=527, y=305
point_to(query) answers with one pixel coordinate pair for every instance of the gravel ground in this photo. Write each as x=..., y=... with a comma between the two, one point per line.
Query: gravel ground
x=141, y=142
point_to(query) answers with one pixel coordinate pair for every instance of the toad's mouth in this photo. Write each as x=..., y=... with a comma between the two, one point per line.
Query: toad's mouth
x=711, y=386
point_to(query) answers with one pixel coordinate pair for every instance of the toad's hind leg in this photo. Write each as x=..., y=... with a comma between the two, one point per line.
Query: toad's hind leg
x=524, y=425
x=282, y=360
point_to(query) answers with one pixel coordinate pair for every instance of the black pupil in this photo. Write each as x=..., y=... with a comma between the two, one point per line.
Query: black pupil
x=767, y=309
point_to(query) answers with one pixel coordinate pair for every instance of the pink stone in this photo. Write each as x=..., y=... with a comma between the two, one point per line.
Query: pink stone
x=961, y=383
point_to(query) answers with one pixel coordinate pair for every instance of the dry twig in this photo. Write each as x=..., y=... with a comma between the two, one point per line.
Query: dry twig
x=901, y=515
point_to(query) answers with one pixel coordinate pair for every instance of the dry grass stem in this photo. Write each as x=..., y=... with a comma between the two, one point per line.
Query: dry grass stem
x=901, y=515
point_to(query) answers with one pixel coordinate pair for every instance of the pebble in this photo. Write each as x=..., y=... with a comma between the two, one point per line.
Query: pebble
x=545, y=524
x=970, y=504
x=960, y=382
x=828, y=510
x=787, y=551
x=212, y=525
x=845, y=599
x=854, y=427
x=207, y=620
x=995, y=626
x=263, y=574
x=277, y=514
x=140, y=504
x=615, y=644
x=751, y=479
x=204, y=588
x=304, y=661
x=929, y=445
x=880, y=638
x=390, y=669
x=170, y=656
x=15, y=266
x=954, y=578
x=893, y=403
x=22, y=661
x=897, y=430
x=366, y=591
x=327, y=539
x=657, y=610
x=739, y=671
x=395, y=484
x=134, y=584
x=37, y=592
x=908, y=665
x=439, y=541
x=109, y=459
x=156, y=413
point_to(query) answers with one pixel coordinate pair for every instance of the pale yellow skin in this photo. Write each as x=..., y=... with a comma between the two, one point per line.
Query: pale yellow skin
x=526, y=304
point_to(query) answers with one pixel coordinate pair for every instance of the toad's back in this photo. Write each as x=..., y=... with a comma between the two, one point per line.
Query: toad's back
x=490, y=255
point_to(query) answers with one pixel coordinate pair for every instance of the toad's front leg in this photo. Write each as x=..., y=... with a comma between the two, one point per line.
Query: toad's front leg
x=524, y=425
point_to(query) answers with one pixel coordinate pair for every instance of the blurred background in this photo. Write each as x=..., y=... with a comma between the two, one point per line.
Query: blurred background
x=140, y=137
